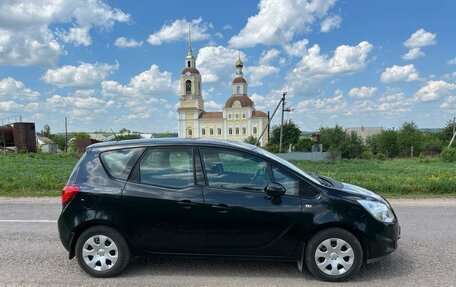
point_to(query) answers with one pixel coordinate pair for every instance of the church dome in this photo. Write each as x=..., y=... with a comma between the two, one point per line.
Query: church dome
x=244, y=100
x=239, y=80
x=191, y=70
x=239, y=63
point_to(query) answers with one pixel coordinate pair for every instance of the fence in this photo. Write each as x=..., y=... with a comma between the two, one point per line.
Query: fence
x=313, y=156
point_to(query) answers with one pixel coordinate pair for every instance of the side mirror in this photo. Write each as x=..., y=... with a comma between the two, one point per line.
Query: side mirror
x=274, y=189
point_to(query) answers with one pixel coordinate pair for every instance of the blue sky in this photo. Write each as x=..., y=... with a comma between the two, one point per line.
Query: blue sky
x=115, y=64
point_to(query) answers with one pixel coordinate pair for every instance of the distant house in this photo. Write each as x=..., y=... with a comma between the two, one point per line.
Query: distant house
x=98, y=137
x=365, y=132
x=46, y=145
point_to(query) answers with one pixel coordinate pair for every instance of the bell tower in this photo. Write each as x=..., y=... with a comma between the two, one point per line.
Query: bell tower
x=191, y=103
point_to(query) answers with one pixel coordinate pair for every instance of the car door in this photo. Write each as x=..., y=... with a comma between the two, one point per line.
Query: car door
x=163, y=204
x=242, y=219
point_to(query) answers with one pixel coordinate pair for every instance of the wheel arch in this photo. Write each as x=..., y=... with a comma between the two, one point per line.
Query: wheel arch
x=88, y=224
x=346, y=227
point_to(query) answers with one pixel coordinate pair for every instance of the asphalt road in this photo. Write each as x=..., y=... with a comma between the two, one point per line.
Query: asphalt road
x=31, y=254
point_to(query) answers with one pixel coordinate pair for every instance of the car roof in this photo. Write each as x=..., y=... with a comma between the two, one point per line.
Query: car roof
x=171, y=141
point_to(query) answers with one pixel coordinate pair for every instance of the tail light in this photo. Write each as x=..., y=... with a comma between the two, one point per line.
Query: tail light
x=68, y=192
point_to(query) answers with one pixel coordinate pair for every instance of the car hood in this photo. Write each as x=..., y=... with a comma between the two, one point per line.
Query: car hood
x=358, y=190
x=347, y=187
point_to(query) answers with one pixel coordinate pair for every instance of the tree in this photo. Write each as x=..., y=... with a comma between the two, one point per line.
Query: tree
x=354, y=146
x=446, y=133
x=387, y=143
x=409, y=136
x=46, y=131
x=291, y=134
x=304, y=144
x=251, y=140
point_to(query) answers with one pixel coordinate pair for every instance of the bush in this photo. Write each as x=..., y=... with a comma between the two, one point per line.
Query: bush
x=304, y=144
x=380, y=156
x=449, y=154
x=367, y=154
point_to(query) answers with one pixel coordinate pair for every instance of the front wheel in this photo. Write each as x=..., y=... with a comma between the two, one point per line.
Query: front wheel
x=102, y=251
x=333, y=254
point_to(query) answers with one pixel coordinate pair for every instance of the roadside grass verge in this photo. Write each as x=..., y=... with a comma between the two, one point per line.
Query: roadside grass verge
x=46, y=174
x=35, y=174
x=397, y=177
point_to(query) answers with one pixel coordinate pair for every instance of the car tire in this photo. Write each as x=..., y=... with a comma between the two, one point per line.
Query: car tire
x=333, y=255
x=101, y=251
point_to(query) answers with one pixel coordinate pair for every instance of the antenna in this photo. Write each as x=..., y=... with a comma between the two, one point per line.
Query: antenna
x=117, y=139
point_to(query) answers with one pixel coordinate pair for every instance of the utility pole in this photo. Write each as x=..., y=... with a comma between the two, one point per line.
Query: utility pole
x=281, y=121
x=270, y=119
x=454, y=131
x=66, y=135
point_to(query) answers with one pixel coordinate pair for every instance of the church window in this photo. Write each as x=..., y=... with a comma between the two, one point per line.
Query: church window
x=188, y=87
x=254, y=130
x=230, y=131
x=189, y=133
x=211, y=131
x=244, y=131
x=237, y=131
x=219, y=131
x=237, y=116
x=238, y=90
x=188, y=64
x=243, y=116
x=203, y=131
x=229, y=116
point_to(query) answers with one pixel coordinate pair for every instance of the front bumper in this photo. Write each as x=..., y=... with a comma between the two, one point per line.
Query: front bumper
x=384, y=242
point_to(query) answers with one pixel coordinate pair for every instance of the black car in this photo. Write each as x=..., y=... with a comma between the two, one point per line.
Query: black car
x=215, y=198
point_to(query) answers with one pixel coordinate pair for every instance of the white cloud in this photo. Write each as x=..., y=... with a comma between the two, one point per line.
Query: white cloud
x=85, y=75
x=362, y=92
x=297, y=49
x=332, y=104
x=279, y=21
x=413, y=53
x=452, y=61
x=13, y=89
x=178, y=30
x=77, y=36
x=449, y=103
x=217, y=63
x=330, y=23
x=9, y=105
x=420, y=38
x=26, y=37
x=314, y=66
x=256, y=73
x=212, y=105
x=227, y=27
x=434, y=90
x=396, y=74
x=123, y=42
x=152, y=82
x=268, y=55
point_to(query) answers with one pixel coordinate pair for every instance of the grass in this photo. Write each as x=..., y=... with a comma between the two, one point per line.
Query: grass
x=46, y=174
x=34, y=174
x=398, y=177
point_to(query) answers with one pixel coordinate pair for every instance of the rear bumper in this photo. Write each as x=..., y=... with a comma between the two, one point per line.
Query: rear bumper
x=383, y=243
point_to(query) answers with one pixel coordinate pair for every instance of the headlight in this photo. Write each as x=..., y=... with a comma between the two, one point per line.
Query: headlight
x=378, y=210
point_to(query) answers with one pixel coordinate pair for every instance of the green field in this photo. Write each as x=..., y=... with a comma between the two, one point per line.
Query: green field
x=45, y=175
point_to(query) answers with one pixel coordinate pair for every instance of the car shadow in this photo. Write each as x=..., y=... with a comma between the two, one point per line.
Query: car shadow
x=397, y=265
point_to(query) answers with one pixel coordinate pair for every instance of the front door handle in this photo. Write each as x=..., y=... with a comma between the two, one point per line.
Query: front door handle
x=187, y=204
x=221, y=208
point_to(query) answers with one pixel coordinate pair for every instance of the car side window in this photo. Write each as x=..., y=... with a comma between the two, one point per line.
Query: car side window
x=234, y=170
x=290, y=182
x=119, y=162
x=167, y=167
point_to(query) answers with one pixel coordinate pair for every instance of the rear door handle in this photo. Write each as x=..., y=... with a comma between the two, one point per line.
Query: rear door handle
x=187, y=204
x=221, y=208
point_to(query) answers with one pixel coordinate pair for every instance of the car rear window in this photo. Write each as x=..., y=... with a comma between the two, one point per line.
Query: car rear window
x=119, y=162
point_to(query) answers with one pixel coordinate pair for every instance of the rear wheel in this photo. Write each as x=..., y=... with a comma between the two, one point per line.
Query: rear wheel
x=333, y=254
x=102, y=251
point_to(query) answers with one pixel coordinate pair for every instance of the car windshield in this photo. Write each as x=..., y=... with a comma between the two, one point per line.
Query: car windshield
x=287, y=164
